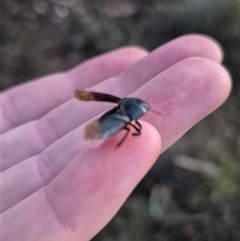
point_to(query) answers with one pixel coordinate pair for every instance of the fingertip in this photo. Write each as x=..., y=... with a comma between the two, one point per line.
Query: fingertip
x=216, y=77
x=226, y=81
x=212, y=78
x=204, y=46
x=144, y=148
x=134, y=50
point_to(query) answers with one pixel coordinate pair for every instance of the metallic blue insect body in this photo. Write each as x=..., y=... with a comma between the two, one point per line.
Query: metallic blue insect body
x=125, y=114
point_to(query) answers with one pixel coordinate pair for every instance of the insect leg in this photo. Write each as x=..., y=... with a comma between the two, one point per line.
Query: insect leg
x=139, y=125
x=138, y=130
x=125, y=136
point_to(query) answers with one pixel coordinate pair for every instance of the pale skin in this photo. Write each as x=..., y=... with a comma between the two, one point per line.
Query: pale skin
x=56, y=185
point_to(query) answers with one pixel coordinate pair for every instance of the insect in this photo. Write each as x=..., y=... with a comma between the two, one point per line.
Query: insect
x=121, y=117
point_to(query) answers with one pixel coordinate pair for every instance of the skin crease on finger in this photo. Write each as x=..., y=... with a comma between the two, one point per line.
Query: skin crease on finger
x=87, y=193
x=184, y=94
x=33, y=100
x=42, y=133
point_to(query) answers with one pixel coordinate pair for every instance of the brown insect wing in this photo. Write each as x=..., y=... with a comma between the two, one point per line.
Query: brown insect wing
x=92, y=130
x=83, y=95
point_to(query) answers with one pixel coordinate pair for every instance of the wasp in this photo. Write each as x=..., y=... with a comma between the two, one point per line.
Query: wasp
x=125, y=114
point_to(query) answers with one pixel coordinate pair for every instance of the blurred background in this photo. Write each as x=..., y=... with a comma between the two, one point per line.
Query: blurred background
x=192, y=192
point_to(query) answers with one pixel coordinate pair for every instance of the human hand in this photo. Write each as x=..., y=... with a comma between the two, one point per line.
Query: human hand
x=55, y=185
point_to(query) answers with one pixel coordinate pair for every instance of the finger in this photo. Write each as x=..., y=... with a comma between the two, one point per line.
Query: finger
x=169, y=54
x=199, y=87
x=32, y=138
x=184, y=94
x=33, y=100
x=86, y=195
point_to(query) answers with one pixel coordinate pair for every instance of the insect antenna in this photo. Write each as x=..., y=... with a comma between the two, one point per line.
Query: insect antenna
x=153, y=111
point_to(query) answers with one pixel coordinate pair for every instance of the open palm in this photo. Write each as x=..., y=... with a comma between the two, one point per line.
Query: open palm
x=56, y=185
